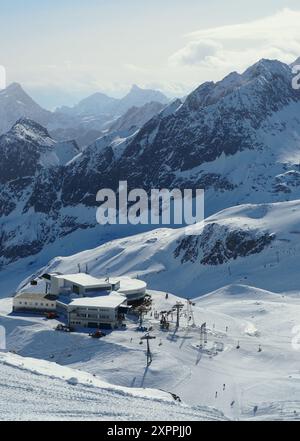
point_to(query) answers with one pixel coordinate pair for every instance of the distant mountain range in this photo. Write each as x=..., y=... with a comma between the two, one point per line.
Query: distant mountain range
x=238, y=139
x=85, y=122
x=100, y=104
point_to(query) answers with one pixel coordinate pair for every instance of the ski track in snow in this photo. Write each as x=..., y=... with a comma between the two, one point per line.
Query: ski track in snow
x=28, y=395
x=269, y=380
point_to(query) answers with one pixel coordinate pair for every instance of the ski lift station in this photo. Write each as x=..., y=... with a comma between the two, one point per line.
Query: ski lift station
x=87, y=286
x=84, y=300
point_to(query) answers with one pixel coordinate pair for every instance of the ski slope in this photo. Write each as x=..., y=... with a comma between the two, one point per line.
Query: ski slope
x=35, y=390
x=268, y=380
x=249, y=298
x=193, y=265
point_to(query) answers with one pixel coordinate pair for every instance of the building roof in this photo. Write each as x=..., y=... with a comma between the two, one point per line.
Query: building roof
x=85, y=280
x=128, y=285
x=112, y=301
x=35, y=296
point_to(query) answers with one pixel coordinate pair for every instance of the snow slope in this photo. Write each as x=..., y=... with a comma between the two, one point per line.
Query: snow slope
x=253, y=244
x=268, y=380
x=37, y=390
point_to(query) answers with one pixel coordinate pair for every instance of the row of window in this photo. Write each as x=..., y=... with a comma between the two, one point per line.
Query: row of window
x=94, y=316
x=83, y=310
x=36, y=304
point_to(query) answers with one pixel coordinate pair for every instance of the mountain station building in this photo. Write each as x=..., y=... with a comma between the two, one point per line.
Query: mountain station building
x=83, y=300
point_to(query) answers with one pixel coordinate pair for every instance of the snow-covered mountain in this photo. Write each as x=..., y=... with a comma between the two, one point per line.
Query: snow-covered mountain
x=138, y=97
x=102, y=106
x=84, y=123
x=31, y=164
x=136, y=117
x=95, y=104
x=238, y=139
x=27, y=148
x=249, y=244
x=15, y=103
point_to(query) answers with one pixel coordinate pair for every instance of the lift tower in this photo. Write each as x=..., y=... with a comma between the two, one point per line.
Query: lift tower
x=148, y=337
x=203, y=336
x=190, y=313
x=178, y=308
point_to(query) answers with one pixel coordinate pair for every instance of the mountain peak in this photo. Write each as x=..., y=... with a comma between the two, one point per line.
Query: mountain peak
x=135, y=88
x=138, y=97
x=15, y=89
x=14, y=85
x=296, y=62
x=266, y=67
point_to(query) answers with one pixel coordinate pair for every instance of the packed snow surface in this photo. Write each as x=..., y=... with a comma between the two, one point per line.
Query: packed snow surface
x=251, y=244
x=39, y=390
x=248, y=369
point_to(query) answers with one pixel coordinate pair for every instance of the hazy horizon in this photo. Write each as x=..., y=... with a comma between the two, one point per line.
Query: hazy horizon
x=63, y=52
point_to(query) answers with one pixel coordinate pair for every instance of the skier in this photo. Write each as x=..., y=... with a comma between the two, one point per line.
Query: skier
x=255, y=410
x=224, y=386
x=216, y=396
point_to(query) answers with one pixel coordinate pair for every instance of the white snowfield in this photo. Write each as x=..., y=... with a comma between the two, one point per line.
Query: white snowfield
x=39, y=390
x=251, y=305
x=152, y=257
x=258, y=385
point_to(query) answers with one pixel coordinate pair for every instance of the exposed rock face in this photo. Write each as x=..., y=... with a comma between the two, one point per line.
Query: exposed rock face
x=218, y=244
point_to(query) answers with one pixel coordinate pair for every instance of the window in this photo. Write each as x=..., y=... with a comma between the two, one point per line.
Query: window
x=76, y=289
x=20, y=303
x=98, y=289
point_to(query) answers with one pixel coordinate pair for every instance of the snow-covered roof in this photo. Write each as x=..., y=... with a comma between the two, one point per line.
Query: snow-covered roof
x=85, y=280
x=34, y=296
x=128, y=285
x=112, y=301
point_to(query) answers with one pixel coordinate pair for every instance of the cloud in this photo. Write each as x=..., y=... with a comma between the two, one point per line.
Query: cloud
x=196, y=52
x=237, y=46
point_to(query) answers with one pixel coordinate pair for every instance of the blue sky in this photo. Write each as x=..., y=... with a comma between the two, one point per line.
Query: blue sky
x=61, y=50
